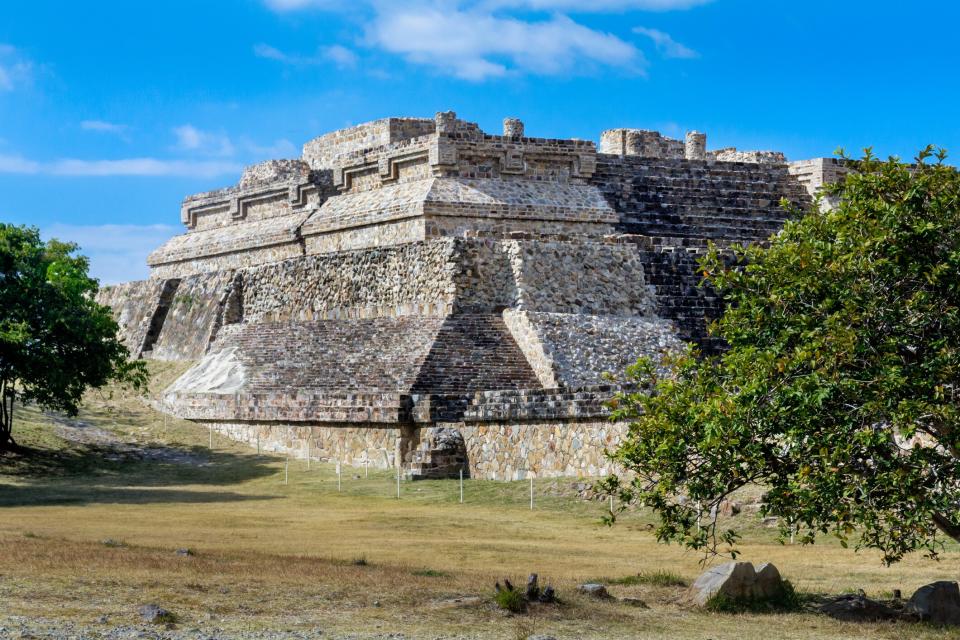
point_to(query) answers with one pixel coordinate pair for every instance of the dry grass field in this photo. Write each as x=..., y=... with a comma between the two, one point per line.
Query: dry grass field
x=302, y=557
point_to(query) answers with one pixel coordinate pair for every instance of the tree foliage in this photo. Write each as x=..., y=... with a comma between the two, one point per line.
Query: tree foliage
x=55, y=340
x=838, y=392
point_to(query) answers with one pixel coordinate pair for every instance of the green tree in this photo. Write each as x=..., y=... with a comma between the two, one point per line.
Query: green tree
x=838, y=392
x=55, y=340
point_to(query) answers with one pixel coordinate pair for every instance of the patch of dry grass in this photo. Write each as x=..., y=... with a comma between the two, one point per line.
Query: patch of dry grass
x=269, y=555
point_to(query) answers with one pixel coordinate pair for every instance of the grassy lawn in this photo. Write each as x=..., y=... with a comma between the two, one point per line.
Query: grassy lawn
x=303, y=555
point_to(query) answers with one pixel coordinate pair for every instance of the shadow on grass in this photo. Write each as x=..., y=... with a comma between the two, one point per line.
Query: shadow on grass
x=38, y=496
x=48, y=471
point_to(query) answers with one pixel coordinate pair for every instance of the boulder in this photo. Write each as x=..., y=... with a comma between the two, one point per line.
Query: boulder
x=938, y=602
x=857, y=608
x=737, y=581
x=594, y=590
x=155, y=614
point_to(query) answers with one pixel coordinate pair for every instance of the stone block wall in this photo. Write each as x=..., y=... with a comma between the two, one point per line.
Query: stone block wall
x=392, y=280
x=499, y=451
x=191, y=317
x=324, y=151
x=134, y=306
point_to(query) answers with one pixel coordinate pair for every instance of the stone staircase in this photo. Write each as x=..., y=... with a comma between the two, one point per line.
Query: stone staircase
x=721, y=201
x=442, y=454
x=680, y=206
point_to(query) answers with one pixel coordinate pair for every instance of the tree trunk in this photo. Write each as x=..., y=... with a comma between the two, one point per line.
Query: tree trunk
x=6, y=417
x=948, y=526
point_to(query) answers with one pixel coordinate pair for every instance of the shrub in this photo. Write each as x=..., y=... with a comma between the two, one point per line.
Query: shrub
x=512, y=600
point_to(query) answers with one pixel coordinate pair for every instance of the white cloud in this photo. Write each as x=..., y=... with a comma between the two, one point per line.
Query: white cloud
x=481, y=39
x=666, y=45
x=476, y=45
x=102, y=126
x=270, y=53
x=117, y=252
x=18, y=164
x=190, y=138
x=596, y=6
x=340, y=56
x=15, y=70
x=123, y=167
x=294, y=5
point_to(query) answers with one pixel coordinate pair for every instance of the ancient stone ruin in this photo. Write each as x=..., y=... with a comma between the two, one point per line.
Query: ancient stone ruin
x=418, y=292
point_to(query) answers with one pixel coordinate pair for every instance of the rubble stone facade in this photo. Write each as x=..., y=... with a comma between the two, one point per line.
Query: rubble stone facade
x=418, y=292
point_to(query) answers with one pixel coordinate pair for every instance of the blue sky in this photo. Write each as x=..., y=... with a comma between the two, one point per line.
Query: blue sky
x=111, y=112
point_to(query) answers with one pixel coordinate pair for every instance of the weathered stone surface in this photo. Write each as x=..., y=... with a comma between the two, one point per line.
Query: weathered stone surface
x=737, y=580
x=938, y=602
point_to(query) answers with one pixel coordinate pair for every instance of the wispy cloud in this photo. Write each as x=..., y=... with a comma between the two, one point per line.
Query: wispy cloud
x=16, y=70
x=596, y=6
x=341, y=56
x=665, y=44
x=480, y=39
x=102, y=126
x=117, y=252
x=338, y=55
x=190, y=138
x=294, y=5
x=122, y=167
x=476, y=46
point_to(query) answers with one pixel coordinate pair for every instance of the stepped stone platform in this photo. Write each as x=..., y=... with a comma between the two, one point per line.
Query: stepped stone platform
x=416, y=292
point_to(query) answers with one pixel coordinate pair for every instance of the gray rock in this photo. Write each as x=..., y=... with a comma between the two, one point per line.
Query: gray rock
x=184, y=552
x=594, y=590
x=768, y=580
x=857, y=608
x=737, y=580
x=155, y=614
x=938, y=602
x=540, y=637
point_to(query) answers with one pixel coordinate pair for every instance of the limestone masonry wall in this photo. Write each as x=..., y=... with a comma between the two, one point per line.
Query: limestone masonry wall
x=507, y=451
x=417, y=292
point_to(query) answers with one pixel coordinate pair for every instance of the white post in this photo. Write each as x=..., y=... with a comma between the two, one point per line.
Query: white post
x=398, y=482
x=531, y=493
x=461, y=486
x=308, y=455
x=611, y=504
x=366, y=468
x=286, y=471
